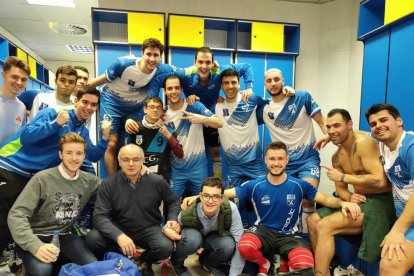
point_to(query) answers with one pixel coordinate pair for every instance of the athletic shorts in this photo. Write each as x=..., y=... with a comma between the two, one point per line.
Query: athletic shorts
x=115, y=111
x=310, y=168
x=211, y=137
x=274, y=242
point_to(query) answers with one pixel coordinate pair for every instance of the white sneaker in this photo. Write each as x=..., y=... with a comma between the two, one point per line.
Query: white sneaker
x=339, y=271
x=353, y=271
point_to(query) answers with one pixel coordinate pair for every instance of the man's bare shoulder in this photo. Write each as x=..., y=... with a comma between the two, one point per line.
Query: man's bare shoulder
x=364, y=144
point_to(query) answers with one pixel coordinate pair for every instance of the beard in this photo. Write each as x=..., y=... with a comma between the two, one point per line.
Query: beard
x=277, y=174
x=277, y=93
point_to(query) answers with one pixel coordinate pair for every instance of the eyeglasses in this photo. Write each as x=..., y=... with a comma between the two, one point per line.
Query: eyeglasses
x=128, y=160
x=215, y=197
x=153, y=107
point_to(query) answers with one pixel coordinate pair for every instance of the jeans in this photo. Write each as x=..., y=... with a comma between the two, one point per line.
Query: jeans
x=157, y=246
x=217, y=249
x=72, y=248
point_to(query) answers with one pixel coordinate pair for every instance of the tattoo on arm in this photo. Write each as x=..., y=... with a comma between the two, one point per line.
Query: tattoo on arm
x=367, y=180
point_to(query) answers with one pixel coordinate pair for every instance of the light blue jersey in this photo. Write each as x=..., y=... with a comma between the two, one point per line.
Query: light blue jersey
x=399, y=167
x=290, y=121
x=189, y=172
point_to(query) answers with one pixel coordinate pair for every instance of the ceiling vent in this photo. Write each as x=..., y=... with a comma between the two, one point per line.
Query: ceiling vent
x=68, y=29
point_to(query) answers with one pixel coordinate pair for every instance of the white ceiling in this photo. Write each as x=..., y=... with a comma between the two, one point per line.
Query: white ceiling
x=30, y=24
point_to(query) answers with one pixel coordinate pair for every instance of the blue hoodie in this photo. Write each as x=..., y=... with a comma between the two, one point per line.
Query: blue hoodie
x=36, y=146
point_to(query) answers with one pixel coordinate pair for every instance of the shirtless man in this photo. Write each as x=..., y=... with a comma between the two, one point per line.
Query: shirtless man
x=356, y=162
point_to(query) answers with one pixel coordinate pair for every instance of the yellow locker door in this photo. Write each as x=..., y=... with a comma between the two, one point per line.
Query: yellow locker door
x=33, y=69
x=267, y=37
x=145, y=25
x=21, y=54
x=186, y=31
x=396, y=9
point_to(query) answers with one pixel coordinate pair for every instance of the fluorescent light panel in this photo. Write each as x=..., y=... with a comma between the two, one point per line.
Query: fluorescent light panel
x=78, y=49
x=55, y=3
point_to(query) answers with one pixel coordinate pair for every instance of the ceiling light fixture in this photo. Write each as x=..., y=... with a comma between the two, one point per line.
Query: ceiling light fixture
x=54, y=3
x=78, y=49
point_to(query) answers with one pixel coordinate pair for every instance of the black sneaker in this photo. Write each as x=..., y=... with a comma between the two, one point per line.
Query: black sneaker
x=181, y=270
x=146, y=269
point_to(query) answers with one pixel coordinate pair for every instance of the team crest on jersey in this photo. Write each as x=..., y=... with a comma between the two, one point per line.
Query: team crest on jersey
x=43, y=106
x=292, y=108
x=138, y=140
x=171, y=125
x=265, y=200
x=397, y=171
x=131, y=83
x=211, y=87
x=271, y=115
x=107, y=117
x=226, y=112
x=290, y=199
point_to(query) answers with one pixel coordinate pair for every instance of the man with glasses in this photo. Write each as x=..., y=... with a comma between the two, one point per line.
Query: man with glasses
x=213, y=224
x=156, y=139
x=127, y=213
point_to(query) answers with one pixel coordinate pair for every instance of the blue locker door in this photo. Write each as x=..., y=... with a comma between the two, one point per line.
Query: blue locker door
x=258, y=63
x=400, y=89
x=374, y=74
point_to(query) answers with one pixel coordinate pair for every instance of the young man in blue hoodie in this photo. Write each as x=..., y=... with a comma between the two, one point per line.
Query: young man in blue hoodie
x=36, y=146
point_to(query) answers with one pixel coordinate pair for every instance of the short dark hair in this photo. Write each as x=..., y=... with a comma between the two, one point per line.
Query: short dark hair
x=213, y=182
x=344, y=113
x=392, y=110
x=153, y=99
x=275, y=145
x=71, y=137
x=170, y=77
x=84, y=69
x=67, y=70
x=88, y=90
x=152, y=43
x=17, y=62
x=229, y=73
x=204, y=50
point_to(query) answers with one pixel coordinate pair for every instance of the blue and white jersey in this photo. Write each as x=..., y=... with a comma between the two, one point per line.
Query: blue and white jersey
x=128, y=84
x=290, y=121
x=277, y=207
x=189, y=135
x=239, y=135
x=48, y=100
x=399, y=167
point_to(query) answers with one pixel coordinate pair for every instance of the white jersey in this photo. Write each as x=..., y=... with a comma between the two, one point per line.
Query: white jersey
x=290, y=121
x=48, y=100
x=239, y=135
x=189, y=135
x=399, y=167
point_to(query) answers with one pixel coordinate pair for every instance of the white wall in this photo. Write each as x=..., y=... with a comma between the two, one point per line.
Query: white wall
x=329, y=65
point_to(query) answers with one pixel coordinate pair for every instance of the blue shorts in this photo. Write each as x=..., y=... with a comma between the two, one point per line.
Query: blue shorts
x=310, y=168
x=115, y=111
x=238, y=174
x=190, y=181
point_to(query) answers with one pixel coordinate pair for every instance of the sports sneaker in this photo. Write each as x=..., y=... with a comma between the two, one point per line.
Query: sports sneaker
x=353, y=271
x=339, y=271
